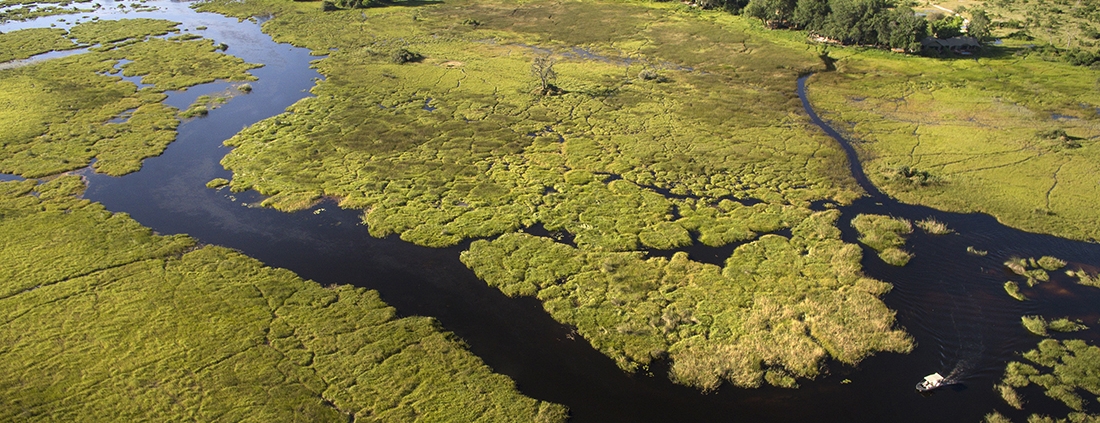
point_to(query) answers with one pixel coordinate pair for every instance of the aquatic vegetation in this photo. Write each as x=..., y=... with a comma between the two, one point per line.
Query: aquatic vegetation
x=29, y=42
x=1035, y=324
x=60, y=114
x=974, y=251
x=934, y=227
x=217, y=183
x=1051, y=264
x=103, y=318
x=884, y=234
x=1010, y=396
x=996, y=417
x=1034, y=270
x=1066, y=325
x=1084, y=278
x=1013, y=289
x=1072, y=368
x=776, y=309
x=970, y=128
x=107, y=32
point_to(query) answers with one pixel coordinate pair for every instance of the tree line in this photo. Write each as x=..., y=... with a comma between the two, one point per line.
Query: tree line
x=879, y=23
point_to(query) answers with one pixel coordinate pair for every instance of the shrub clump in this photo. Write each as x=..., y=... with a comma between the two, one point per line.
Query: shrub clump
x=402, y=56
x=910, y=176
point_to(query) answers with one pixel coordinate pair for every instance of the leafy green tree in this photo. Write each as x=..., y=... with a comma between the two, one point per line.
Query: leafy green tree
x=810, y=14
x=774, y=13
x=980, y=25
x=947, y=27
x=906, y=30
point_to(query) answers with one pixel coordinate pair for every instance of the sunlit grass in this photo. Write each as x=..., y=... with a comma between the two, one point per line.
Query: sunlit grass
x=104, y=320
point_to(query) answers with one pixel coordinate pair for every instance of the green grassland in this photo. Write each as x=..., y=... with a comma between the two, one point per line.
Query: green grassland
x=1012, y=136
x=105, y=321
x=56, y=113
x=648, y=145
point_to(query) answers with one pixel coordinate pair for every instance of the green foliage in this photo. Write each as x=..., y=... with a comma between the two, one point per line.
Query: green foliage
x=1051, y=263
x=1072, y=368
x=776, y=309
x=1084, y=278
x=217, y=183
x=1066, y=325
x=1013, y=289
x=1035, y=324
x=105, y=320
x=974, y=251
x=946, y=26
x=885, y=234
x=25, y=43
x=56, y=112
x=1010, y=396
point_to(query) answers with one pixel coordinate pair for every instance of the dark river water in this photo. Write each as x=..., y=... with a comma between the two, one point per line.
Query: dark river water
x=951, y=302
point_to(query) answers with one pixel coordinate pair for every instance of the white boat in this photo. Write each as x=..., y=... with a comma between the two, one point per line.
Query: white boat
x=931, y=382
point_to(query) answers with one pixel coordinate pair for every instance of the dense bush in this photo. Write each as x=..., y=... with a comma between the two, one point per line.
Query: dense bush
x=865, y=22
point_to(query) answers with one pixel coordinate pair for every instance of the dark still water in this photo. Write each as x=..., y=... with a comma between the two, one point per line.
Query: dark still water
x=951, y=302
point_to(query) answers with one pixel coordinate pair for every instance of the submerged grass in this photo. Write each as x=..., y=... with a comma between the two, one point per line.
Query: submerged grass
x=57, y=113
x=885, y=234
x=102, y=320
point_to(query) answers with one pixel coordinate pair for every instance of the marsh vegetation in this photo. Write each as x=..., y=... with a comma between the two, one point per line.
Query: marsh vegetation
x=59, y=114
x=1064, y=370
x=886, y=235
x=465, y=144
x=104, y=319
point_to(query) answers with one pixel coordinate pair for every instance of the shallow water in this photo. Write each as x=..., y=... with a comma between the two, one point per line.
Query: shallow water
x=951, y=302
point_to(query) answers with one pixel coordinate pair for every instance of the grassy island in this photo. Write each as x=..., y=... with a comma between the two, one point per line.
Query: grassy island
x=104, y=320
x=886, y=235
x=430, y=120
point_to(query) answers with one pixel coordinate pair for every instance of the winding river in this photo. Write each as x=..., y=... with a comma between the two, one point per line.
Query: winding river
x=951, y=302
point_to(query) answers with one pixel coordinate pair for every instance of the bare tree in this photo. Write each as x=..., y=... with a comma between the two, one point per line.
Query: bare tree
x=543, y=69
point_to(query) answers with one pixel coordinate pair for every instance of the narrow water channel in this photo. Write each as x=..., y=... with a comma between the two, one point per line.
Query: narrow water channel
x=951, y=302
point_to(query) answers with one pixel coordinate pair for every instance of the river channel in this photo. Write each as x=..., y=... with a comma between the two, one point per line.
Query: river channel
x=951, y=302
